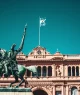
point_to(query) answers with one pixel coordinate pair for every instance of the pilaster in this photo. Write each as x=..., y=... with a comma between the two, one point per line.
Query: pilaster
x=53, y=70
x=79, y=70
x=71, y=70
x=62, y=90
x=53, y=90
x=67, y=90
x=46, y=71
x=66, y=70
x=78, y=92
x=41, y=70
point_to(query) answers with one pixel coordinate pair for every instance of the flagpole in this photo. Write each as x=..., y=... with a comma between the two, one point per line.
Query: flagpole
x=39, y=31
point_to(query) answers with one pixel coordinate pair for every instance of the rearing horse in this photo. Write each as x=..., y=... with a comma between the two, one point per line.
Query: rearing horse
x=18, y=74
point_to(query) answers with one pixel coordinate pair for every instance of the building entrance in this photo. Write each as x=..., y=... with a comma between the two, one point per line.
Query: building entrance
x=39, y=92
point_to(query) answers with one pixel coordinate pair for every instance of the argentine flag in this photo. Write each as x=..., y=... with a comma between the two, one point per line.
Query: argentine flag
x=42, y=22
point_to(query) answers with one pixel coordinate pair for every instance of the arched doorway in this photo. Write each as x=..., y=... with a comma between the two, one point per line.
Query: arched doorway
x=39, y=92
x=74, y=91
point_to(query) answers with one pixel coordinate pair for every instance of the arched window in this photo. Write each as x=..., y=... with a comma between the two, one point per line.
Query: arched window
x=74, y=91
x=77, y=71
x=69, y=71
x=73, y=71
x=39, y=92
x=44, y=71
x=39, y=70
x=49, y=71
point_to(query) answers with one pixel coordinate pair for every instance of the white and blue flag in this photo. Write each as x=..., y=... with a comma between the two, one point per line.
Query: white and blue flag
x=42, y=22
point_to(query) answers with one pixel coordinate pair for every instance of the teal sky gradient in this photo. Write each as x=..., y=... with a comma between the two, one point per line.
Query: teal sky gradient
x=62, y=28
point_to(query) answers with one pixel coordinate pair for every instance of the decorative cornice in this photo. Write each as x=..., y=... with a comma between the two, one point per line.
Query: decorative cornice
x=57, y=59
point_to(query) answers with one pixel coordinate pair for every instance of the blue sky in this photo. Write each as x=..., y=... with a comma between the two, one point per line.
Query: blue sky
x=62, y=28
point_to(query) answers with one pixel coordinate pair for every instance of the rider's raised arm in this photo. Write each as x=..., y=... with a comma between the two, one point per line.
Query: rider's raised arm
x=23, y=38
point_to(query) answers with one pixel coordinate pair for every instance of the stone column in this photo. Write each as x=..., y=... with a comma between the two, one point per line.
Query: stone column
x=78, y=92
x=79, y=70
x=46, y=71
x=67, y=91
x=75, y=70
x=62, y=90
x=71, y=70
x=62, y=71
x=53, y=70
x=41, y=70
x=53, y=90
x=66, y=70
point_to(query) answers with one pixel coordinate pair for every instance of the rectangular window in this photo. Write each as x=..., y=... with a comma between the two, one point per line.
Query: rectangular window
x=58, y=92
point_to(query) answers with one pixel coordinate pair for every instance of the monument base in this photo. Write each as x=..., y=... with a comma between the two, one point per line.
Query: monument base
x=15, y=91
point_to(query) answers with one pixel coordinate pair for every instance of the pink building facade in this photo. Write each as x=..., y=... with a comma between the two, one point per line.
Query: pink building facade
x=58, y=74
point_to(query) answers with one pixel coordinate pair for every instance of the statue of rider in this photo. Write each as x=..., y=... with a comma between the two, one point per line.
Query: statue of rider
x=12, y=62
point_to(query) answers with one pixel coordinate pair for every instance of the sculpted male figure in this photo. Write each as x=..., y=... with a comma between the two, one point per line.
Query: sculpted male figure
x=12, y=63
x=9, y=65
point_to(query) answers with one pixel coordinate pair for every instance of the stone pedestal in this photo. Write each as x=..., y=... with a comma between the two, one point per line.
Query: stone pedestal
x=15, y=91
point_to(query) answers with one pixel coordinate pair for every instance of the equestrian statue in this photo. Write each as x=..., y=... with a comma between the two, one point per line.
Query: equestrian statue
x=9, y=65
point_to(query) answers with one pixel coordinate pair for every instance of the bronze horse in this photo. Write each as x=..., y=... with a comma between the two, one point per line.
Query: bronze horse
x=17, y=74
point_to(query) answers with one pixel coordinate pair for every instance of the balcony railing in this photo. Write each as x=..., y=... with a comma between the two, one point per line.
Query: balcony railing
x=47, y=78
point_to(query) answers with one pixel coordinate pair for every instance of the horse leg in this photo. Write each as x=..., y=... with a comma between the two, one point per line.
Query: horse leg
x=22, y=80
x=6, y=71
x=16, y=80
